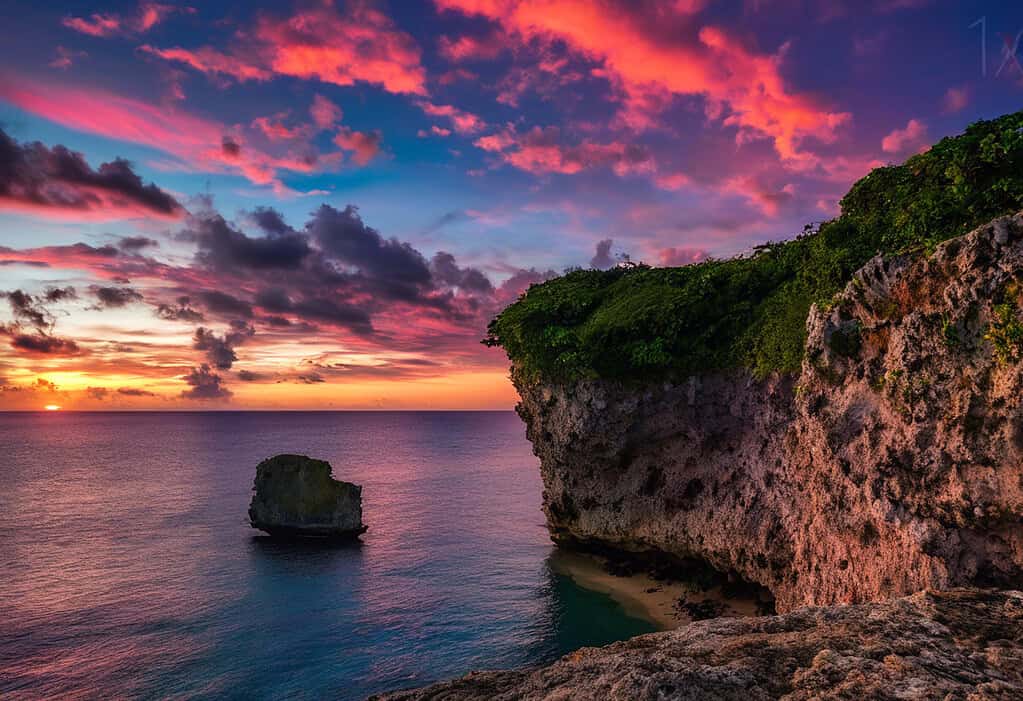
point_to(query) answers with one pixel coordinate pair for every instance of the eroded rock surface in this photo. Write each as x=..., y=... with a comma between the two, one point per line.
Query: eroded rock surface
x=892, y=462
x=295, y=495
x=961, y=644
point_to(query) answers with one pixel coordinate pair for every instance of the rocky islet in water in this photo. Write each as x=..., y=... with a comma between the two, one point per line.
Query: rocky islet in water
x=296, y=496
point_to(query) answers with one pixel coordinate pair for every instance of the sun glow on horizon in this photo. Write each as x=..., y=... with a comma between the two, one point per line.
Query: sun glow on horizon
x=52, y=407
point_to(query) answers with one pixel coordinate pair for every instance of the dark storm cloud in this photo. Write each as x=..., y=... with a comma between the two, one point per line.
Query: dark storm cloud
x=182, y=311
x=271, y=221
x=114, y=297
x=36, y=177
x=205, y=384
x=274, y=299
x=32, y=310
x=344, y=236
x=134, y=392
x=59, y=294
x=27, y=309
x=219, y=350
x=223, y=247
x=602, y=259
x=222, y=303
x=347, y=315
x=134, y=244
x=249, y=376
x=44, y=344
x=230, y=147
x=446, y=271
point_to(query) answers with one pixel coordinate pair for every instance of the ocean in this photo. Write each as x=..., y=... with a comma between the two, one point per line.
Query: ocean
x=130, y=570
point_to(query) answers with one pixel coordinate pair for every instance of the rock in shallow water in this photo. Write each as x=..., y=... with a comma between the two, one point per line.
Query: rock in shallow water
x=959, y=644
x=296, y=496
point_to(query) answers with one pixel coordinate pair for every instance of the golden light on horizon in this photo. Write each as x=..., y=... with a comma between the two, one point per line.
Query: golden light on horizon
x=52, y=407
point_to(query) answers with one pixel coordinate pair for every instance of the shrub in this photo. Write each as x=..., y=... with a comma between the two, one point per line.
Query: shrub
x=750, y=311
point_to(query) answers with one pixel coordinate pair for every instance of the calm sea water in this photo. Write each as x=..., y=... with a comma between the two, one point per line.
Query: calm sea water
x=129, y=570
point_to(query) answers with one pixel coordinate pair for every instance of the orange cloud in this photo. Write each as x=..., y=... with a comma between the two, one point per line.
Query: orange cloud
x=741, y=88
x=359, y=45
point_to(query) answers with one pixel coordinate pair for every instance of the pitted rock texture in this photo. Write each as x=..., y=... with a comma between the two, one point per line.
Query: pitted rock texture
x=296, y=496
x=963, y=644
x=891, y=463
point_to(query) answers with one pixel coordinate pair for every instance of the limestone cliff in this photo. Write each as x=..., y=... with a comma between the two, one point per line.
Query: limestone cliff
x=962, y=644
x=892, y=462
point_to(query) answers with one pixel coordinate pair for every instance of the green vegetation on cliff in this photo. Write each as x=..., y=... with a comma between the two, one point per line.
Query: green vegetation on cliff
x=636, y=322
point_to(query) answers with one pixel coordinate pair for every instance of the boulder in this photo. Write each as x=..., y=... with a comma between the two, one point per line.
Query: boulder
x=295, y=495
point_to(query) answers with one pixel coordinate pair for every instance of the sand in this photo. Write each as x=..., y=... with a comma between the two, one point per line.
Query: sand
x=644, y=597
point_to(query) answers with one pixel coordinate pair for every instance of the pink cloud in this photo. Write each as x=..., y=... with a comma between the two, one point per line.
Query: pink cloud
x=471, y=48
x=740, y=87
x=769, y=197
x=196, y=142
x=209, y=60
x=673, y=257
x=359, y=45
x=672, y=181
x=325, y=113
x=912, y=137
x=96, y=25
x=65, y=58
x=276, y=130
x=956, y=99
x=434, y=131
x=148, y=15
x=463, y=122
x=363, y=145
x=541, y=150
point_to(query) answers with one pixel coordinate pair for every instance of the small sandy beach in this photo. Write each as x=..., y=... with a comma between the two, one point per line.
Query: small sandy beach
x=645, y=597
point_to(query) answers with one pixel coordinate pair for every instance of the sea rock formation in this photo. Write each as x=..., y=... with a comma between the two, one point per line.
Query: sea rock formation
x=891, y=463
x=295, y=495
x=959, y=644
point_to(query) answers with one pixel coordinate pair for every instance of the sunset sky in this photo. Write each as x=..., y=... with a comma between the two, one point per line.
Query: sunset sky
x=319, y=205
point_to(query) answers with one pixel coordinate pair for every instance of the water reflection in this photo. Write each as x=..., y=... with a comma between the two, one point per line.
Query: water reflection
x=131, y=571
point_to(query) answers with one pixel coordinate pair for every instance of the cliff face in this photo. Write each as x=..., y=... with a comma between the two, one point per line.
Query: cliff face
x=892, y=462
x=962, y=644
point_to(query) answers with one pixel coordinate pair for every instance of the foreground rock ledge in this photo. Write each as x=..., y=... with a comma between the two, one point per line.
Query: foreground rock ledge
x=959, y=644
x=296, y=496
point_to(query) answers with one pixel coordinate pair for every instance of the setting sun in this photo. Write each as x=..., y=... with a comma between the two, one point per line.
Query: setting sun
x=52, y=407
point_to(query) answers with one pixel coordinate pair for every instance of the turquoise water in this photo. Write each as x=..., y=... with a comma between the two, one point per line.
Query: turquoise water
x=129, y=569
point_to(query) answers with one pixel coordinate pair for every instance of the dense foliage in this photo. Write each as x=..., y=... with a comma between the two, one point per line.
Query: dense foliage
x=635, y=322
